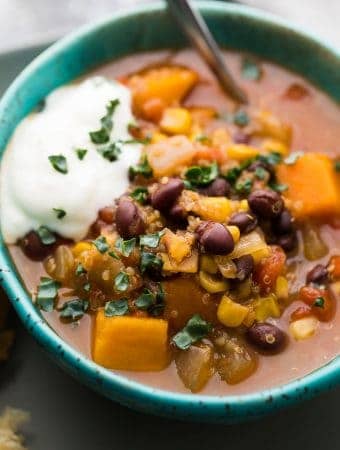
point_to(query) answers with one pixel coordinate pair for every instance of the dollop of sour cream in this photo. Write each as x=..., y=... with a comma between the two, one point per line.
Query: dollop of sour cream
x=32, y=189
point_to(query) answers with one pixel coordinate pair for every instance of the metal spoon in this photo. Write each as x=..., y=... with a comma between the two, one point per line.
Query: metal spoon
x=195, y=28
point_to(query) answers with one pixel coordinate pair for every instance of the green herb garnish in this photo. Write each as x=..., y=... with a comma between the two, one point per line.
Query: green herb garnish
x=81, y=152
x=74, y=309
x=251, y=70
x=60, y=213
x=121, y=282
x=293, y=157
x=151, y=301
x=278, y=187
x=272, y=158
x=80, y=270
x=150, y=261
x=244, y=187
x=337, y=166
x=143, y=169
x=195, y=330
x=319, y=302
x=116, y=308
x=241, y=118
x=202, y=138
x=59, y=163
x=101, y=244
x=46, y=236
x=102, y=136
x=260, y=173
x=145, y=300
x=233, y=174
x=47, y=293
x=111, y=151
x=151, y=240
x=140, y=194
x=113, y=255
x=87, y=287
x=125, y=247
x=202, y=175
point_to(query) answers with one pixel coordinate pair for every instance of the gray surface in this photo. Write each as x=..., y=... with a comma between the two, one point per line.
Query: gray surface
x=68, y=416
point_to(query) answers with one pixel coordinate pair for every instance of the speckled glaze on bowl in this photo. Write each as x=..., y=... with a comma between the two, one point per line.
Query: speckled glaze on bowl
x=146, y=28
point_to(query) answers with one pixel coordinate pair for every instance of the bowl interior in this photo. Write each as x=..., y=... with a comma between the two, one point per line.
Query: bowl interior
x=148, y=28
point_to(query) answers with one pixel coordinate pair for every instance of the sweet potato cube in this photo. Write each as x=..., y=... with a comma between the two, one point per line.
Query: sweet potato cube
x=313, y=190
x=130, y=343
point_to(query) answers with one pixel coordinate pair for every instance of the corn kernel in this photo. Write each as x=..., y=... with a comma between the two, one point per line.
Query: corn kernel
x=274, y=145
x=303, y=328
x=235, y=232
x=230, y=313
x=212, y=284
x=157, y=137
x=266, y=307
x=281, y=288
x=208, y=264
x=243, y=205
x=81, y=247
x=241, y=152
x=176, y=121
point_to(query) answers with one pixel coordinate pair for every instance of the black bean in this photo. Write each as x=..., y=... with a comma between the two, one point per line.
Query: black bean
x=265, y=204
x=241, y=138
x=129, y=221
x=166, y=194
x=283, y=224
x=318, y=275
x=215, y=238
x=177, y=213
x=33, y=247
x=218, y=188
x=246, y=222
x=267, y=337
x=244, y=266
x=287, y=241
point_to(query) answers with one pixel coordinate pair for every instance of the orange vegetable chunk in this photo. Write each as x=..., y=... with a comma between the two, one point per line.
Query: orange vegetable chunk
x=130, y=343
x=313, y=189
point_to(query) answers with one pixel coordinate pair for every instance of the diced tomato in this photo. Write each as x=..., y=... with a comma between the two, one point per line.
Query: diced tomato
x=320, y=301
x=268, y=270
x=334, y=267
x=300, y=313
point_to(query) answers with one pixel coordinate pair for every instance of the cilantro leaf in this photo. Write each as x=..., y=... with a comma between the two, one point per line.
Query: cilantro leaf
x=59, y=163
x=80, y=270
x=145, y=300
x=121, y=281
x=244, y=187
x=202, y=175
x=74, y=309
x=125, y=247
x=101, y=244
x=250, y=69
x=116, y=308
x=111, y=151
x=46, y=236
x=151, y=240
x=278, y=187
x=195, y=330
x=60, y=213
x=81, y=152
x=241, y=118
x=319, y=302
x=47, y=293
x=260, y=173
x=102, y=136
x=140, y=194
x=151, y=300
x=87, y=287
x=272, y=158
x=143, y=169
x=150, y=261
x=233, y=174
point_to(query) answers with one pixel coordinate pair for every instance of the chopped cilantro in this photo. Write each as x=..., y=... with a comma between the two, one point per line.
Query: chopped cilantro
x=202, y=175
x=233, y=174
x=121, y=281
x=59, y=163
x=81, y=152
x=87, y=287
x=244, y=187
x=195, y=330
x=46, y=236
x=151, y=240
x=143, y=169
x=251, y=70
x=116, y=307
x=111, y=151
x=125, y=247
x=319, y=302
x=272, y=158
x=145, y=300
x=241, y=118
x=140, y=194
x=102, y=136
x=278, y=187
x=293, y=157
x=74, y=309
x=113, y=255
x=101, y=244
x=80, y=270
x=260, y=173
x=47, y=293
x=151, y=301
x=60, y=213
x=150, y=261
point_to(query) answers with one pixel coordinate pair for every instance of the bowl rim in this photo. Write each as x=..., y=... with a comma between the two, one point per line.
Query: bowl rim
x=114, y=385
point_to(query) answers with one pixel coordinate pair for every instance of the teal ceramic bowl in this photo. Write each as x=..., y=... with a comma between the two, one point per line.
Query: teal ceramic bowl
x=150, y=27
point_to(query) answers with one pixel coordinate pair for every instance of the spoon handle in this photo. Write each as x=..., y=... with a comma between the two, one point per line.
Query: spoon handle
x=194, y=26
